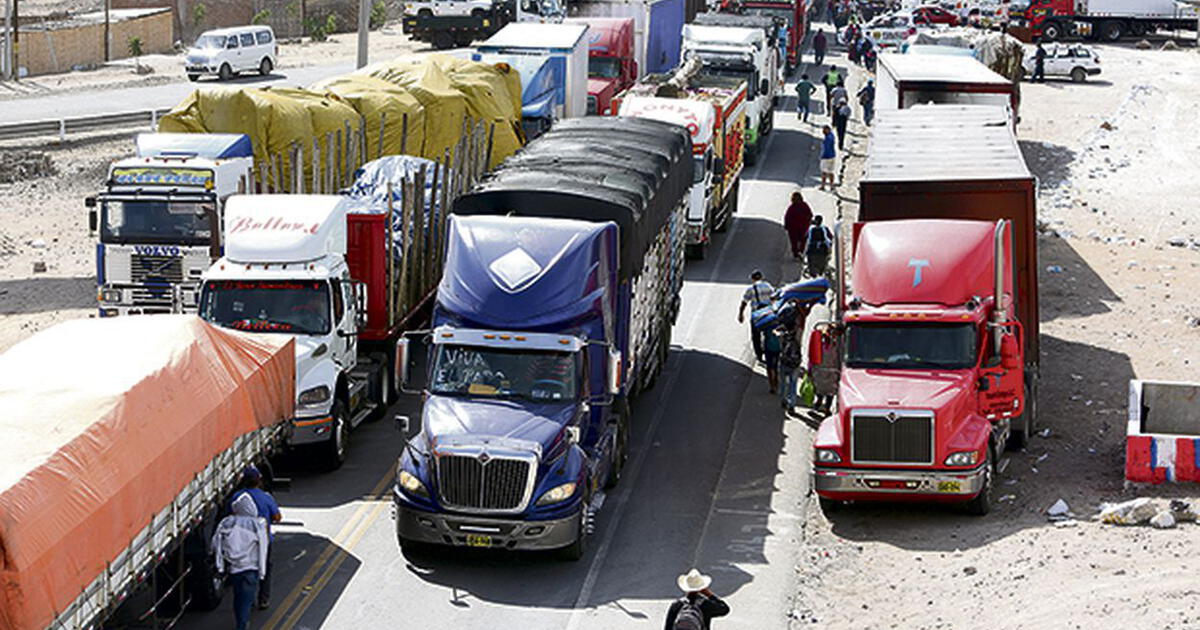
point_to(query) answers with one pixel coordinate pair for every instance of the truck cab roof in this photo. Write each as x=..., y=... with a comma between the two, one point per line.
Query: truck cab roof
x=275, y=229
x=607, y=36
x=695, y=36
x=941, y=68
x=925, y=261
x=529, y=35
x=213, y=146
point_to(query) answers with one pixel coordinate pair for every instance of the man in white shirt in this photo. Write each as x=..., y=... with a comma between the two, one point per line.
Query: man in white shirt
x=757, y=295
x=241, y=544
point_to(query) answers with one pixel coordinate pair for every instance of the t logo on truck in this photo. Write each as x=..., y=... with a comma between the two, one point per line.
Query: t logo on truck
x=918, y=264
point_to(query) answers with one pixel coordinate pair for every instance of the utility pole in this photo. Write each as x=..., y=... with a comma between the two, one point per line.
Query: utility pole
x=7, y=62
x=107, y=36
x=364, y=24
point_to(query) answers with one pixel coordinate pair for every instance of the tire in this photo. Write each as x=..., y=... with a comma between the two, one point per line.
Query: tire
x=829, y=506
x=751, y=153
x=193, y=77
x=1112, y=31
x=697, y=251
x=225, y=73
x=733, y=199
x=621, y=449
x=478, y=13
x=1078, y=75
x=464, y=40
x=574, y=552
x=425, y=13
x=334, y=451
x=443, y=40
x=982, y=503
x=768, y=123
x=1138, y=29
x=265, y=66
x=1052, y=31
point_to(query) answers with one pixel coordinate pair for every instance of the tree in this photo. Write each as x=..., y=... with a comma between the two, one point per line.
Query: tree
x=135, y=50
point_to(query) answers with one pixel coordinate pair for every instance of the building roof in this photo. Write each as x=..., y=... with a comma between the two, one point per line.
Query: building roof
x=940, y=68
x=944, y=142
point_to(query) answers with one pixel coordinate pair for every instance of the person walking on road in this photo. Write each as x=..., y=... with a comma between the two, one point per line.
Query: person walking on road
x=1039, y=64
x=841, y=116
x=240, y=545
x=791, y=357
x=698, y=606
x=866, y=98
x=819, y=46
x=804, y=92
x=816, y=253
x=796, y=220
x=268, y=508
x=828, y=157
x=757, y=295
x=831, y=81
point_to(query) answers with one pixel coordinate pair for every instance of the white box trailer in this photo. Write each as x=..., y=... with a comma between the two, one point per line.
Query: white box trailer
x=907, y=80
x=563, y=43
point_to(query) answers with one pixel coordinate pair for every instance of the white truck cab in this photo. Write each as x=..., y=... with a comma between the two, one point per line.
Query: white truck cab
x=285, y=272
x=741, y=53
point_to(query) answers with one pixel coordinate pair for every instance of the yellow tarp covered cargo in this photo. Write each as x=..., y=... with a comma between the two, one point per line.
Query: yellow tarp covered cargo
x=275, y=119
x=381, y=102
x=451, y=89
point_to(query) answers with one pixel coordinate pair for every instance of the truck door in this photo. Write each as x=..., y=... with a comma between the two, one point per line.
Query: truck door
x=1002, y=381
x=346, y=343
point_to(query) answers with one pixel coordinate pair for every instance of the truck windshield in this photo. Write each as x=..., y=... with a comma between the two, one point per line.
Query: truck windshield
x=279, y=306
x=911, y=346
x=539, y=375
x=604, y=67
x=698, y=173
x=157, y=221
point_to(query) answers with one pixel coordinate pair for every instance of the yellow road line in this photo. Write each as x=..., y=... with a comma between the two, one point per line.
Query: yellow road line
x=331, y=546
x=332, y=567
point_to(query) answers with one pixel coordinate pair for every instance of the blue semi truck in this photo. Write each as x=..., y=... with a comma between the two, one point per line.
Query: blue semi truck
x=560, y=288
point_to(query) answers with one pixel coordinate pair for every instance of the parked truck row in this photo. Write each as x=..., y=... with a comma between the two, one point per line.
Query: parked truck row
x=1110, y=20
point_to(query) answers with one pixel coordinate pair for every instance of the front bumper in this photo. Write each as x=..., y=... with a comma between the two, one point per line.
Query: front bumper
x=496, y=533
x=695, y=233
x=846, y=484
x=314, y=430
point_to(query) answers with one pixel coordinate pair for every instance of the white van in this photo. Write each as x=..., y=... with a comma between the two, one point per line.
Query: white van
x=228, y=51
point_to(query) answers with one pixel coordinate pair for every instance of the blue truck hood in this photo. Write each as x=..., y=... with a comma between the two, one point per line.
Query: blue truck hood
x=527, y=273
x=447, y=416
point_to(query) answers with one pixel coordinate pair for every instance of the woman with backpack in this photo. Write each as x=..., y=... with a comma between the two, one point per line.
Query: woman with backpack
x=816, y=251
x=698, y=606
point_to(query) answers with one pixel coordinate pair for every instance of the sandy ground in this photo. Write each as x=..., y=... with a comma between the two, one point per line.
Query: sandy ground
x=1118, y=302
x=385, y=43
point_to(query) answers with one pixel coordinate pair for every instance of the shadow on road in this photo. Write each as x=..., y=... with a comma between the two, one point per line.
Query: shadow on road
x=758, y=230
x=43, y=294
x=1068, y=285
x=1051, y=163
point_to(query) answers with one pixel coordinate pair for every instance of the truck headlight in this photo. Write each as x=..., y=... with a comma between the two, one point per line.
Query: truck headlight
x=110, y=295
x=314, y=395
x=558, y=494
x=828, y=456
x=962, y=458
x=410, y=484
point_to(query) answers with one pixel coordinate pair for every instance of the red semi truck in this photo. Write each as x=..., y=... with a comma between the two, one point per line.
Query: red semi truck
x=938, y=341
x=1103, y=19
x=794, y=13
x=611, y=66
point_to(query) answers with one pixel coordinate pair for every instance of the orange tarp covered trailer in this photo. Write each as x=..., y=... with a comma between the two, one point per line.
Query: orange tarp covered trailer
x=103, y=424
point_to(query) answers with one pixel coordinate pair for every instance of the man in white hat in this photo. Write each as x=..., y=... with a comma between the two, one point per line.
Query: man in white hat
x=698, y=606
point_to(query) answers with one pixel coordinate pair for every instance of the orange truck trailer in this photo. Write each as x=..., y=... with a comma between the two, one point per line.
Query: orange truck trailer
x=123, y=437
x=713, y=109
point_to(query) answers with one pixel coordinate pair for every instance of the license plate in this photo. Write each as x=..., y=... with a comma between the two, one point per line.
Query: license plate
x=949, y=486
x=478, y=540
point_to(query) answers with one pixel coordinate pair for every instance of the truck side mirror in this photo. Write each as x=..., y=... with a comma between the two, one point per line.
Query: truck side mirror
x=411, y=356
x=816, y=350
x=1009, y=352
x=93, y=220
x=764, y=87
x=615, y=365
x=718, y=167
x=573, y=435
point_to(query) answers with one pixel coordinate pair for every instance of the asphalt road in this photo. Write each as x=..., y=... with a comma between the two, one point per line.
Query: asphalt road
x=111, y=101
x=717, y=479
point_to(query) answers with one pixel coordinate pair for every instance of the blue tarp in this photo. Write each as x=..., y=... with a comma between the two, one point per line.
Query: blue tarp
x=368, y=193
x=543, y=81
x=782, y=311
x=203, y=145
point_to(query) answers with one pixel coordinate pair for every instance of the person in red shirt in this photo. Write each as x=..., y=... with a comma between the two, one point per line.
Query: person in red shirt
x=796, y=221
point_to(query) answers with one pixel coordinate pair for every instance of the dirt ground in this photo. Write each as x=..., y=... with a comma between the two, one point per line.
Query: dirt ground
x=385, y=43
x=1116, y=160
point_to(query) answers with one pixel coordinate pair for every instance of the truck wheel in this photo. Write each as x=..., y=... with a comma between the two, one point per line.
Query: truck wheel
x=225, y=73
x=1112, y=30
x=1078, y=75
x=1052, y=31
x=443, y=40
x=193, y=77
x=696, y=251
x=478, y=13
x=768, y=123
x=621, y=448
x=1137, y=29
x=982, y=503
x=339, y=434
x=463, y=40
x=574, y=551
x=426, y=13
x=829, y=506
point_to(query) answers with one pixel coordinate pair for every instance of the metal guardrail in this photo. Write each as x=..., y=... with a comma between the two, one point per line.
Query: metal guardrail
x=62, y=126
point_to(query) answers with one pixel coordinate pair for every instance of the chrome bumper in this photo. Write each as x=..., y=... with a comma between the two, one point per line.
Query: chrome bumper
x=450, y=529
x=967, y=483
x=695, y=233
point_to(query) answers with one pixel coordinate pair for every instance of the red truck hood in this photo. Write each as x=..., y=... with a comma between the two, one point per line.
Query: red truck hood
x=945, y=392
x=602, y=89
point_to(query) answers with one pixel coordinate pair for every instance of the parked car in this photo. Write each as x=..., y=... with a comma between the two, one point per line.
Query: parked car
x=930, y=14
x=1066, y=60
x=229, y=51
x=889, y=31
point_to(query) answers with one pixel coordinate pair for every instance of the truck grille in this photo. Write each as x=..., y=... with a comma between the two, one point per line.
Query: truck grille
x=893, y=438
x=162, y=269
x=479, y=483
